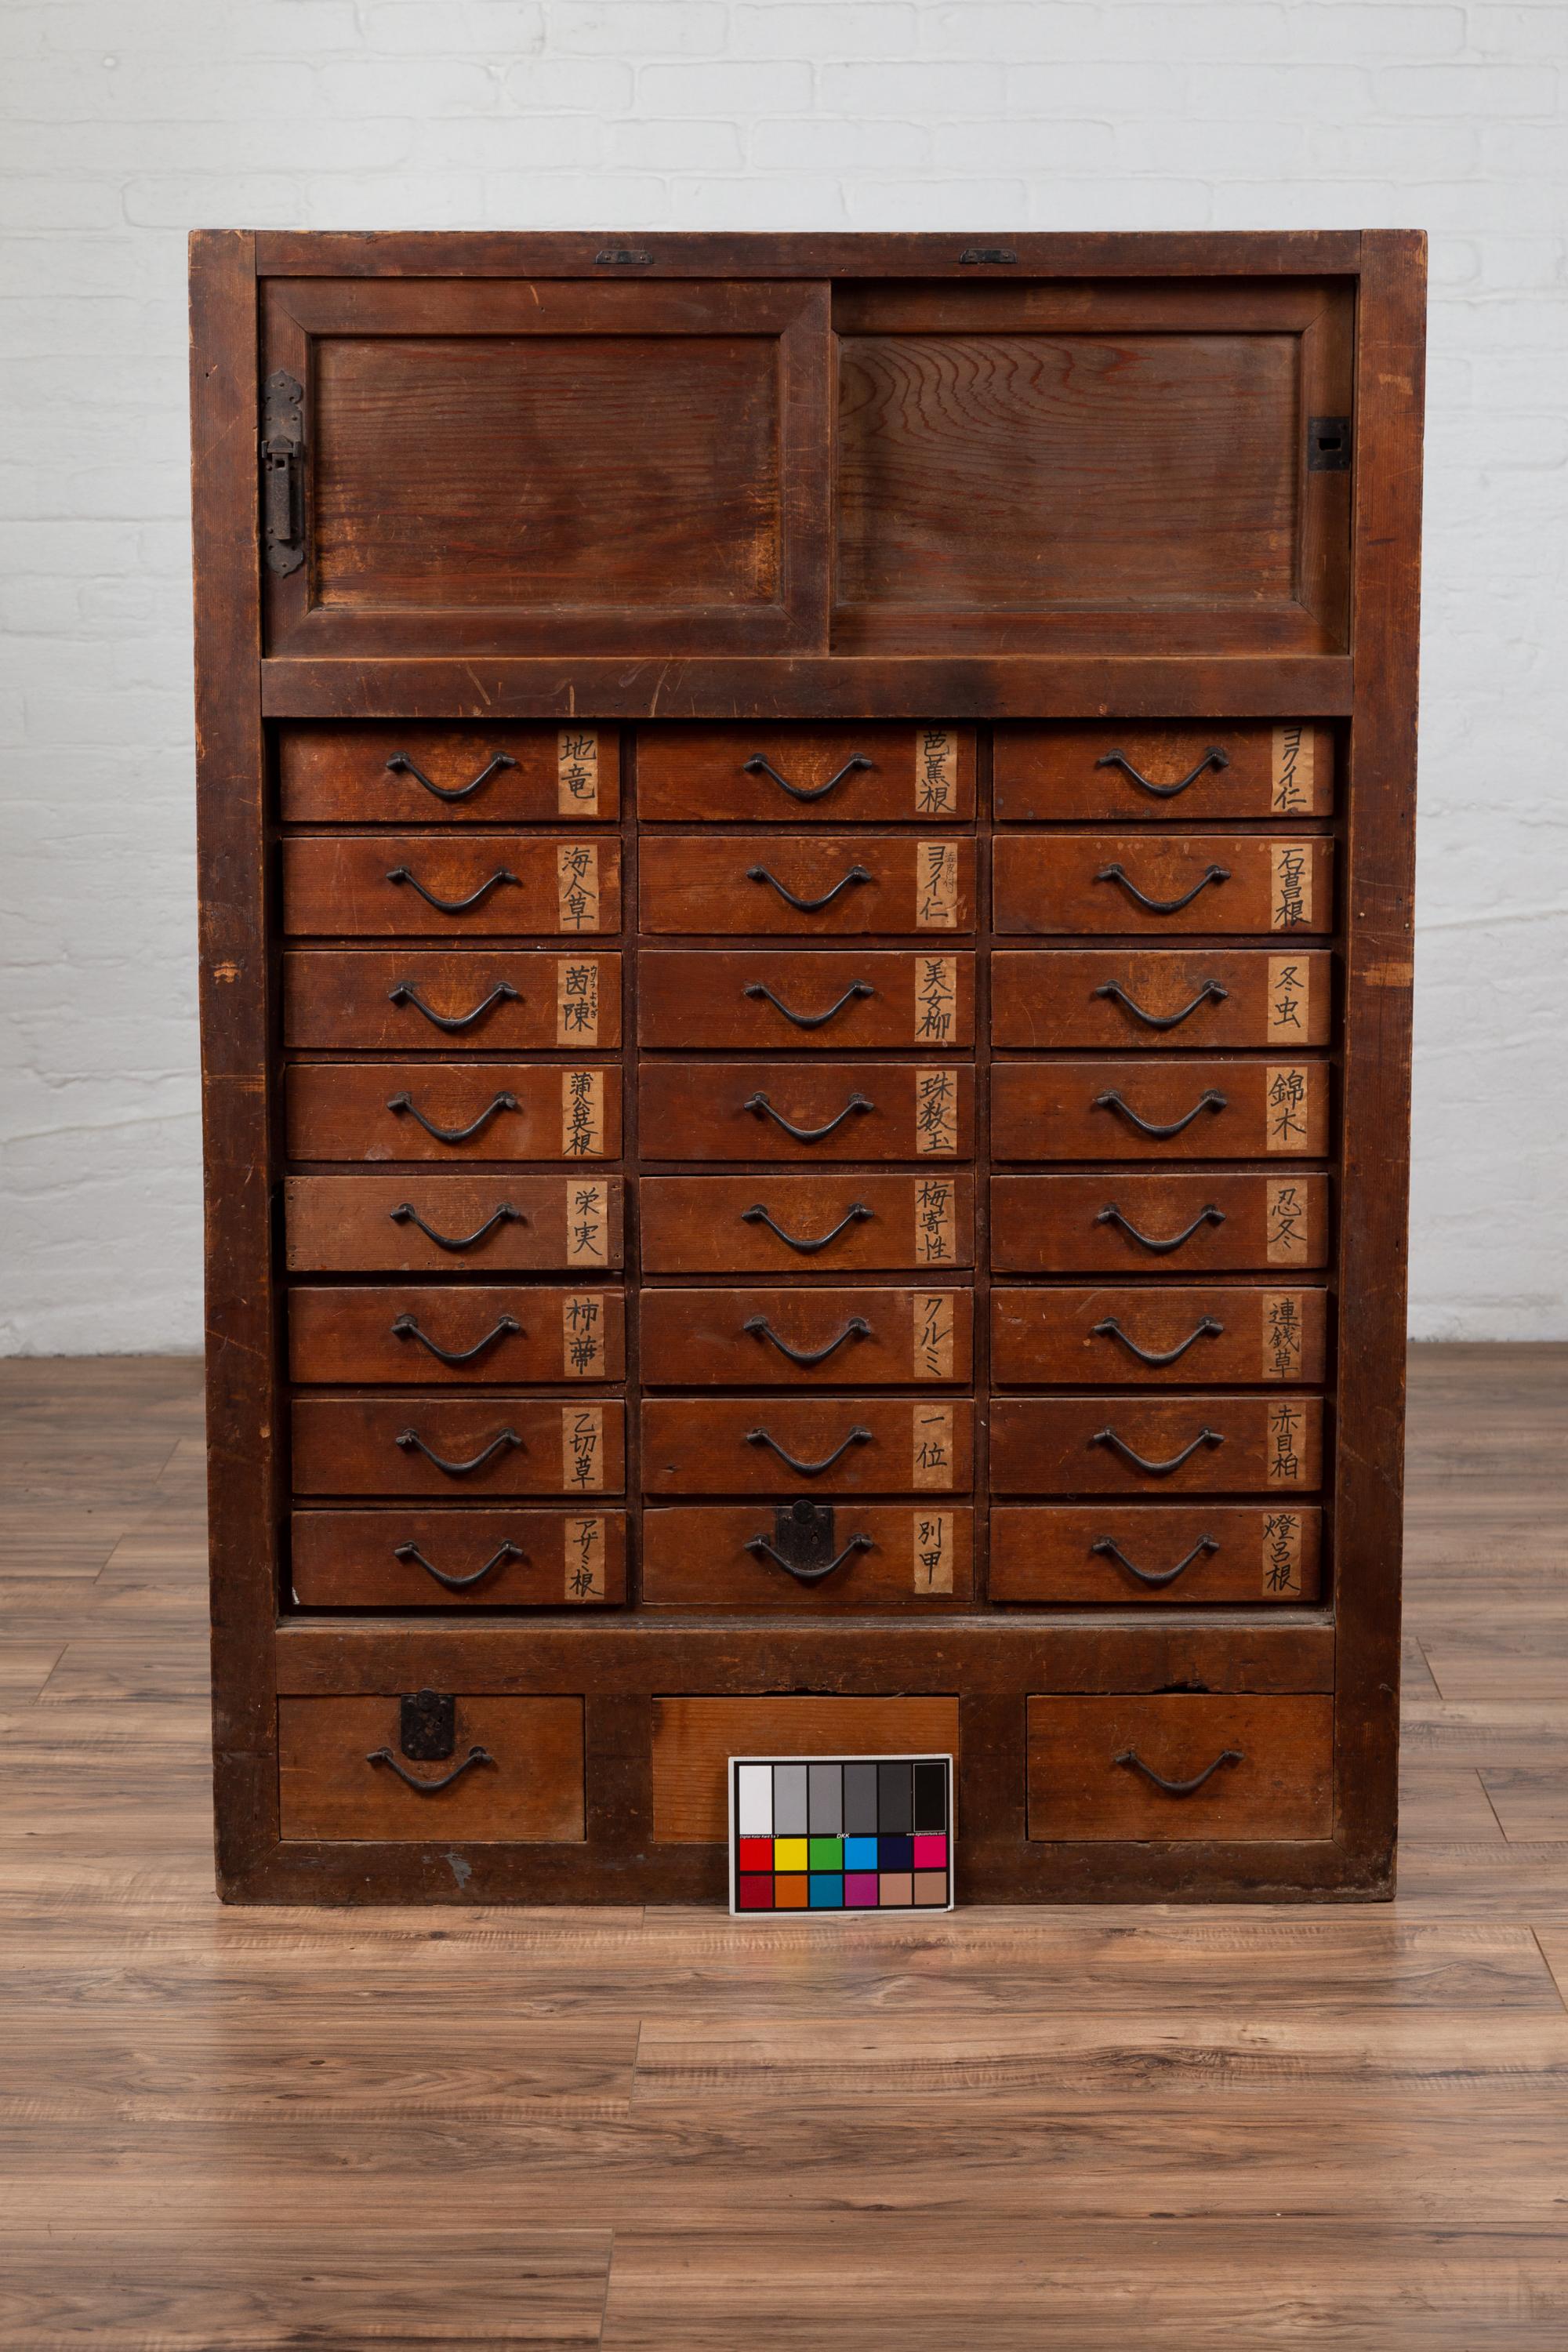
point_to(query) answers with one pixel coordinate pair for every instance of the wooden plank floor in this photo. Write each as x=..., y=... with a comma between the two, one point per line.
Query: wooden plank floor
x=1143, y=2128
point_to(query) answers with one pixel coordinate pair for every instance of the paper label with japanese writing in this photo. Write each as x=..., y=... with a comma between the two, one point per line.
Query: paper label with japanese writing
x=936, y=886
x=936, y=999
x=1291, y=790
x=577, y=886
x=1281, y=1554
x=935, y=1236
x=1282, y=1312
x=577, y=772
x=583, y=1541
x=931, y=1451
x=1289, y=1001
x=1287, y=1236
x=936, y=1111
x=576, y=1001
x=1283, y=1462
x=934, y=1314
x=933, y=1551
x=1288, y=1105
x=582, y=1336
x=582, y=1114
x=1290, y=886
x=587, y=1224
x=936, y=771
x=583, y=1448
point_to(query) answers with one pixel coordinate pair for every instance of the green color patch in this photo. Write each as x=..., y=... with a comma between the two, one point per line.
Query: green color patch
x=827, y=1853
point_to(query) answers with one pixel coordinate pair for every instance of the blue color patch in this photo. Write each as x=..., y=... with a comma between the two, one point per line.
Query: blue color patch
x=860, y=1854
x=828, y=1891
x=896, y=1854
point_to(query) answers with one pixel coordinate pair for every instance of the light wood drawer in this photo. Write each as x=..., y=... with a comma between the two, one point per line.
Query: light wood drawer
x=423, y=886
x=805, y=1338
x=1111, y=1767
x=403, y=775
x=335, y=1779
x=1157, y=1445
x=798, y=1110
x=455, y=1334
x=805, y=775
x=807, y=1445
x=1210, y=882
x=892, y=1556
x=854, y=885
x=457, y=1447
x=1161, y=1109
x=693, y=1740
x=1144, y=998
x=422, y=1224
x=1149, y=1225
x=453, y=1110
x=494, y=1001
x=1223, y=1555
x=791, y=1001
x=1120, y=772
x=408, y=1558
x=1157, y=1334
x=743, y=1224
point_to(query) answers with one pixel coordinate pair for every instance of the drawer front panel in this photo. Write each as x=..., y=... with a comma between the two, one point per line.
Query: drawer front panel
x=805, y=1338
x=807, y=1445
x=1209, y=882
x=1121, y=773
x=403, y=774
x=807, y=888
x=1236, y=1555
x=1157, y=1445
x=693, y=1740
x=454, y=1225
x=830, y=1224
x=457, y=1447
x=912, y=1558
x=453, y=1110
x=406, y=1559
x=335, y=1779
x=786, y=1003
x=414, y=886
x=424, y=1000
x=1092, y=1758
x=796, y=1111
x=1164, y=1225
x=805, y=775
x=457, y=1335
x=1159, y=1109
x=1164, y=1335
x=1143, y=998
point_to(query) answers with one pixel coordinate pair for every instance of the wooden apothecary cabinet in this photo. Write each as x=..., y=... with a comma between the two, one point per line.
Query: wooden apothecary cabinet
x=807, y=851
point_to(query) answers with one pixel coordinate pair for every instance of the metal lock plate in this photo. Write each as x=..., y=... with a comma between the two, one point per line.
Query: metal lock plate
x=428, y=1726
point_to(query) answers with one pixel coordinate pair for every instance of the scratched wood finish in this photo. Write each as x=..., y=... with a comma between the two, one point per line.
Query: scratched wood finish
x=498, y=1444
x=865, y=884
x=759, y=999
x=1121, y=1223
x=1281, y=885
x=1226, y=1333
x=756, y=1338
x=917, y=1557
x=482, y=1110
x=1146, y=998
x=404, y=1334
x=381, y=886
x=409, y=1558
x=808, y=1444
x=446, y=1000
x=1192, y=1445
x=850, y=1222
x=337, y=1780
x=1180, y=1556
x=407, y=773
x=844, y=1110
x=1136, y=1109
x=1115, y=773
x=805, y=775
x=1274, y=1776
x=422, y=1223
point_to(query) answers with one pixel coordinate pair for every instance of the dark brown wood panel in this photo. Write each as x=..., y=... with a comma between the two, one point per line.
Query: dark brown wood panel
x=1213, y=1444
x=477, y=885
x=760, y=999
x=694, y=1738
x=1122, y=1555
x=1209, y=1222
x=338, y=1779
x=457, y=1447
x=842, y=1111
x=407, y=773
x=1114, y=774
x=913, y=1557
x=1161, y=1110
x=408, y=1558
x=458, y=999
x=808, y=1444
x=420, y=1224
x=806, y=1339
x=455, y=1334
x=853, y=1222
x=451, y=1111
x=1193, y=1000
x=794, y=775
x=1163, y=1335
x=859, y=885
x=1274, y=1779
x=1162, y=882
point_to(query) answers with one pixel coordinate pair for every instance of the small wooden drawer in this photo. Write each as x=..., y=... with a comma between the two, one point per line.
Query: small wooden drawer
x=1231, y=1555
x=452, y=1110
x=693, y=1740
x=1198, y=998
x=713, y=1557
x=805, y=1338
x=807, y=1110
x=1159, y=1109
x=494, y=1001
x=807, y=1445
x=1160, y=1766
x=342, y=1774
x=1210, y=882
x=1157, y=1334
x=413, y=885
x=456, y=1334
x=805, y=775
x=790, y=1000
x=462, y=1224
x=458, y=1560
x=403, y=774
x=1159, y=1224
x=1203, y=770
x=455, y=1446
x=853, y=887
x=1157, y=1445
x=848, y=1223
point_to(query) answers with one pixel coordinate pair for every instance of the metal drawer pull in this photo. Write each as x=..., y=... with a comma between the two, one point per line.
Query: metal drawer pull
x=810, y=1020
x=764, y=1551
x=503, y=992
x=411, y=1441
x=405, y=1327
x=757, y=766
x=457, y=1583
x=452, y=1134
x=452, y=906
x=1212, y=758
x=1210, y=1100
x=1207, y=1215
x=763, y=1109
x=1205, y=1328
x=1130, y=1757
x=405, y=1214
x=758, y=1327
x=808, y=1469
x=1163, y=1019
x=855, y=1215
x=401, y=764
x=1153, y=1576
x=1163, y=906
x=807, y=906
x=1153, y=1469
x=428, y=1788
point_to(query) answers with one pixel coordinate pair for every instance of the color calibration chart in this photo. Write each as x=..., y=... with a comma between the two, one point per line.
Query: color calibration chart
x=840, y=1834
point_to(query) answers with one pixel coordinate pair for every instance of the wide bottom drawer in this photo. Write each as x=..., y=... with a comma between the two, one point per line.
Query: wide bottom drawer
x=1180, y=1765
x=693, y=1740
x=513, y=1770
x=808, y=1558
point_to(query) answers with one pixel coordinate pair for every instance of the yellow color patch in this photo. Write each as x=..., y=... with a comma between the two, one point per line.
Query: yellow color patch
x=789, y=1854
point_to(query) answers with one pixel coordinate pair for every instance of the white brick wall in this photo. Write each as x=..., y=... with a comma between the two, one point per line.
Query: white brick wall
x=128, y=121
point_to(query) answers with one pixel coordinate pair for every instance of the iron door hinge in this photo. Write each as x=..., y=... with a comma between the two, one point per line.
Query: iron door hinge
x=283, y=472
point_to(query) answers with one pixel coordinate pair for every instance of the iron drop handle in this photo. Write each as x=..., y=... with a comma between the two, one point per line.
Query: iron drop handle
x=506, y=1551
x=405, y=1214
x=763, y=1109
x=452, y=906
x=1119, y=1445
x=1207, y=1215
x=476, y=1755
x=1210, y=1100
x=452, y=1134
x=1163, y=906
x=810, y=1020
x=411, y=1442
x=808, y=905
x=763, y=1549
x=856, y=1436
x=1211, y=987
x=855, y=1215
x=757, y=766
x=503, y=992
x=760, y=1328
x=1205, y=1328
x=1154, y=1577
x=1130, y=1758
x=401, y=764
x=406, y=1327
x=1212, y=758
